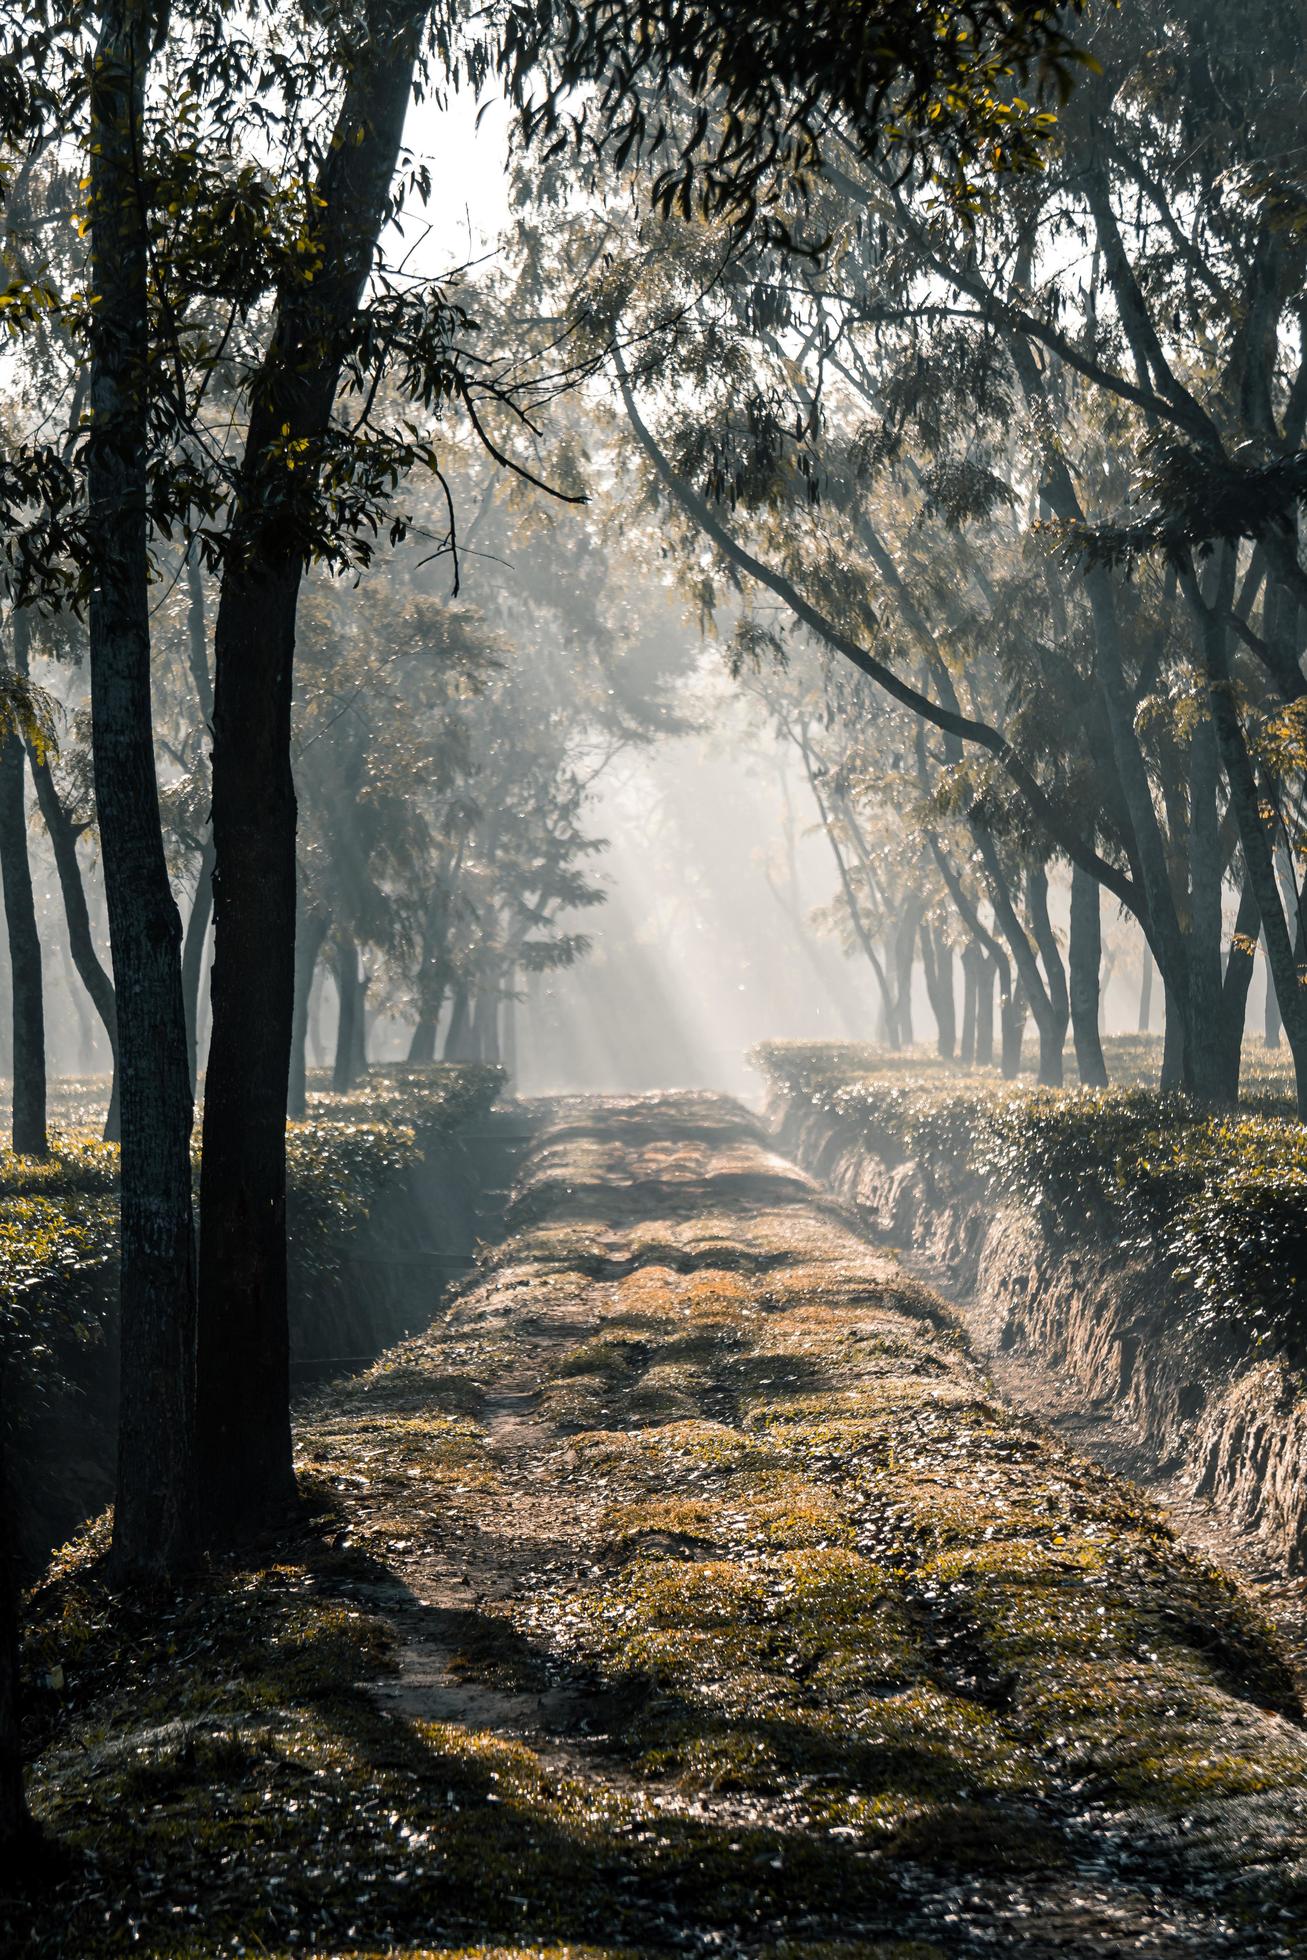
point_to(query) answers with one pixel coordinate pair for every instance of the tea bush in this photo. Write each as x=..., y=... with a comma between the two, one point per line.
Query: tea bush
x=59, y=1250
x=1222, y=1198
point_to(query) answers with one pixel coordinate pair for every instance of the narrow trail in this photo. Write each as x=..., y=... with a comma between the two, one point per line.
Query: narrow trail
x=697, y=1597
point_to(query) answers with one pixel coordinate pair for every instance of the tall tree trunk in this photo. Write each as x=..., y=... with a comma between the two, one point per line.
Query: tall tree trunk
x=485, y=1026
x=937, y=961
x=903, y=956
x=6, y=1015
x=1047, y=1001
x=1271, y=1022
x=1235, y=986
x=430, y=985
x=153, y=1514
x=197, y=933
x=1146, y=991
x=458, y=1042
x=28, y=1128
x=1206, y=1062
x=1053, y=1038
x=422, y=1044
x=1282, y=933
x=201, y=913
x=311, y=929
x=1085, y=959
x=1012, y=1019
x=63, y=834
x=349, y=995
x=986, y=977
x=244, y=1384
x=1173, y=1043
x=972, y=961
x=1156, y=908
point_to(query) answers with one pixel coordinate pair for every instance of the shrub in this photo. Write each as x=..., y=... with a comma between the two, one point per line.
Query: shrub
x=1223, y=1198
x=59, y=1247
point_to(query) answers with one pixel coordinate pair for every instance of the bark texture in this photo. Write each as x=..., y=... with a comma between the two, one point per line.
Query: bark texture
x=243, y=1387
x=197, y=933
x=28, y=996
x=350, y=1033
x=1085, y=960
x=63, y=833
x=153, y=1516
x=311, y=928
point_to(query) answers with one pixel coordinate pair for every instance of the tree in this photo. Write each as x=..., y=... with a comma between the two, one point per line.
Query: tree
x=244, y=1403
x=153, y=1515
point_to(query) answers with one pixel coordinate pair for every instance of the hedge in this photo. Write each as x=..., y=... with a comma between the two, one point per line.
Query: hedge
x=59, y=1246
x=1222, y=1198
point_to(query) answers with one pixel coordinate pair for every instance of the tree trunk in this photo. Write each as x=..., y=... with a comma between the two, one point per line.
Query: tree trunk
x=6, y=1014
x=1172, y=1044
x=28, y=996
x=1271, y=1022
x=987, y=975
x=153, y=1514
x=422, y=1045
x=1012, y=1015
x=311, y=930
x=1206, y=1062
x=430, y=984
x=1235, y=985
x=937, y=962
x=1146, y=991
x=1282, y=934
x=1052, y=1033
x=485, y=1026
x=63, y=834
x=1047, y=1000
x=349, y=994
x=1085, y=958
x=972, y=961
x=243, y=1382
x=902, y=959
x=197, y=925
x=197, y=933
x=458, y=1043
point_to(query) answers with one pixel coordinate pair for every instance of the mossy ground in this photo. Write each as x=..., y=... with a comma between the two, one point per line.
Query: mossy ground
x=684, y=1591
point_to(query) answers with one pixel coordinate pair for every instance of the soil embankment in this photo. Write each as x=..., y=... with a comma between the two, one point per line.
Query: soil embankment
x=684, y=1590
x=1099, y=1337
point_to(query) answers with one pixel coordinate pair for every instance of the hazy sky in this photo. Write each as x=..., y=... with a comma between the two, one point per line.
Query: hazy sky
x=467, y=150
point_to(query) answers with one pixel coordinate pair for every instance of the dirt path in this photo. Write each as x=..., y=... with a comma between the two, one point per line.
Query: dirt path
x=686, y=1591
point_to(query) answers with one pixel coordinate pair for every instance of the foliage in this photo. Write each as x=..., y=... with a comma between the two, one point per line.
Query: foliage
x=1224, y=1198
x=767, y=83
x=59, y=1218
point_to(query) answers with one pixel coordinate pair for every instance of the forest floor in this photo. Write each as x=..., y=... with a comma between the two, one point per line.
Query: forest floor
x=684, y=1590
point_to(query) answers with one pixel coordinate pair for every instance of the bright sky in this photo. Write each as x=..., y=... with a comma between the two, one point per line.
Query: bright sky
x=469, y=199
